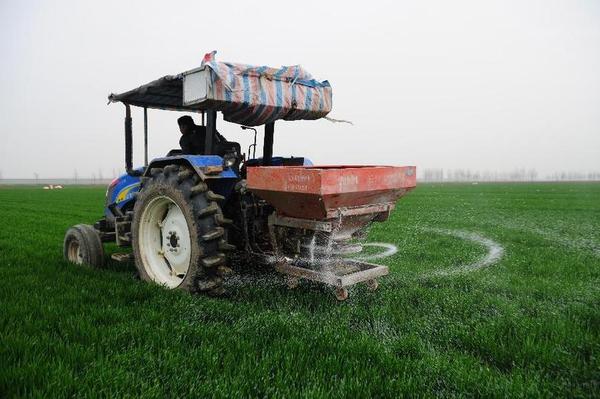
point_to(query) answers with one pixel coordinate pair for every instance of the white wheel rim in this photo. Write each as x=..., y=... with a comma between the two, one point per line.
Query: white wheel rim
x=164, y=242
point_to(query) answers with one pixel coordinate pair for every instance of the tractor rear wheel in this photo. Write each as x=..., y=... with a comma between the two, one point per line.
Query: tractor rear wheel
x=177, y=236
x=83, y=246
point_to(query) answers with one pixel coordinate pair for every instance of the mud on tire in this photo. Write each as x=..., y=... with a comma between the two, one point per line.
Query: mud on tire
x=188, y=202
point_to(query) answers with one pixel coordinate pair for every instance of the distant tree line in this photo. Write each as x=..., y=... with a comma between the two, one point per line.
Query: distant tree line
x=519, y=174
x=431, y=175
x=76, y=178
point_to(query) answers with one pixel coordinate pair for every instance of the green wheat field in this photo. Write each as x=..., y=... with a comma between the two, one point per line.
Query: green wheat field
x=494, y=291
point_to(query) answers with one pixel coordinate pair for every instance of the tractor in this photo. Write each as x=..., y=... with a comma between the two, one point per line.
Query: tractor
x=187, y=217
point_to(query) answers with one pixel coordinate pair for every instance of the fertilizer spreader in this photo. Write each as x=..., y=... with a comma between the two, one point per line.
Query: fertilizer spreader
x=320, y=211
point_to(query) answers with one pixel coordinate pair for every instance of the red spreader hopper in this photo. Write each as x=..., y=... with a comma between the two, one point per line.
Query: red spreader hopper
x=321, y=212
x=322, y=192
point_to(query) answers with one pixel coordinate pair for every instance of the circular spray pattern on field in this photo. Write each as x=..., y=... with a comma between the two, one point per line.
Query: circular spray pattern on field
x=495, y=251
x=388, y=250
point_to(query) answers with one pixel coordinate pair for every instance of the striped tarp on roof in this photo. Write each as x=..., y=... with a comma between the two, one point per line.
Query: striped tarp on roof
x=246, y=94
x=254, y=95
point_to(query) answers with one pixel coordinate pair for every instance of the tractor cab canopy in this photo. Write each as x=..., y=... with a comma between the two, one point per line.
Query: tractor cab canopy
x=245, y=94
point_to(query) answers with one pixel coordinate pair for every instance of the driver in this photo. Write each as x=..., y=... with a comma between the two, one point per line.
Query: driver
x=192, y=136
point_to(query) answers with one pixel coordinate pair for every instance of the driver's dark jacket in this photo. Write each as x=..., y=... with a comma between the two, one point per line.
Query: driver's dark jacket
x=193, y=143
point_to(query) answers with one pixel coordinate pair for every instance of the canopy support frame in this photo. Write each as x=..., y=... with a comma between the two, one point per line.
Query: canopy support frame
x=128, y=140
x=211, y=131
x=145, y=136
x=268, y=144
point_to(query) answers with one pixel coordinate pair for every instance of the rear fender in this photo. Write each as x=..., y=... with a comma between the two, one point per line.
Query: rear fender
x=209, y=168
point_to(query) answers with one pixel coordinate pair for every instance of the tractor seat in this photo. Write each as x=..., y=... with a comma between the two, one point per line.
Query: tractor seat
x=174, y=152
x=225, y=147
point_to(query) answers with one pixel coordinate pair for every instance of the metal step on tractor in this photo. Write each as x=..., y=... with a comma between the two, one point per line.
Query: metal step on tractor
x=188, y=216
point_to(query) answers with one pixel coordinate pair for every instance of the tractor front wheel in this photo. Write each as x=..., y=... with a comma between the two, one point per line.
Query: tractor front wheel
x=177, y=234
x=83, y=246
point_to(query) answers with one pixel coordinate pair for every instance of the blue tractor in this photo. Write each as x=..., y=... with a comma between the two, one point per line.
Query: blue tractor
x=187, y=216
x=171, y=210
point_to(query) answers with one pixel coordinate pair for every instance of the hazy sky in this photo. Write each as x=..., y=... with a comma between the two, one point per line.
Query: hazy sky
x=483, y=85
